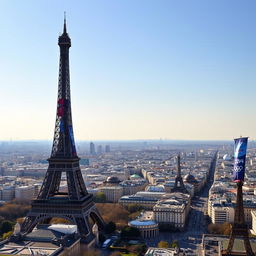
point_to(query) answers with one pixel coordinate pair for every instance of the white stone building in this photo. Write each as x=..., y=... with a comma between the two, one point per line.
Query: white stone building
x=24, y=193
x=8, y=193
x=173, y=211
x=113, y=194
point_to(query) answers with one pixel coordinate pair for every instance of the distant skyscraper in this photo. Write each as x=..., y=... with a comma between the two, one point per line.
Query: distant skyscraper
x=99, y=149
x=92, y=149
x=107, y=148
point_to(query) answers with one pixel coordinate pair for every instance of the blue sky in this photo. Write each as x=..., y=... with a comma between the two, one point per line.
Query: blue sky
x=139, y=69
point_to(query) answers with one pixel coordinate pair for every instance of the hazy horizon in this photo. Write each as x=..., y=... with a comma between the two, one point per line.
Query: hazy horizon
x=131, y=140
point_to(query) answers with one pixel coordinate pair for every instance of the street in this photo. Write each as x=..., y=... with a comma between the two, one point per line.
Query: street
x=196, y=223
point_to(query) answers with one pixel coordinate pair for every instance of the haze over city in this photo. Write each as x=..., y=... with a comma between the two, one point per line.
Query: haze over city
x=139, y=69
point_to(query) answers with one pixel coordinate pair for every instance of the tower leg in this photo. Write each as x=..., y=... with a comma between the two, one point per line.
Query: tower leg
x=27, y=226
x=81, y=220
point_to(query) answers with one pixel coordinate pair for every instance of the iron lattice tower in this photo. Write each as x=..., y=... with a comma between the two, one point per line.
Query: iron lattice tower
x=239, y=227
x=179, y=185
x=76, y=204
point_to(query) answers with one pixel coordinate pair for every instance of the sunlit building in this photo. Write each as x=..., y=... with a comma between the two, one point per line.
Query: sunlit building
x=173, y=210
x=24, y=193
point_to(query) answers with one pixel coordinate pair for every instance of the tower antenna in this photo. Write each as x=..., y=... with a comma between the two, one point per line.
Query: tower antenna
x=65, y=26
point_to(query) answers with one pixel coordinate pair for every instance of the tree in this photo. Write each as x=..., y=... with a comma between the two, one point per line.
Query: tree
x=116, y=254
x=226, y=228
x=6, y=226
x=130, y=232
x=223, y=229
x=100, y=197
x=138, y=249
x=110, y=227
x=163, y=244
x=56, y=220
x=134, y=208
x=91, y=252
x=133, y=215
x=7, y=235
x=175, y=244
x=14, y=210
x=113, y=212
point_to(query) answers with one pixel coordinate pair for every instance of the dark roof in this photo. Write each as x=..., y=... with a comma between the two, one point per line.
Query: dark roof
x=112, y=179
x=43, y=234
x=189, y=178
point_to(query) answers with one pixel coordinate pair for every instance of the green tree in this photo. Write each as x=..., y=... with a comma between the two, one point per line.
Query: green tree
x=130, y=232
x=134, y=208
x=110, y=227
x=175, y=244
x=163, y=244
x=100, y=197
x=139, y=249
x=6, y=226
x=7, y=235
x=133, y=215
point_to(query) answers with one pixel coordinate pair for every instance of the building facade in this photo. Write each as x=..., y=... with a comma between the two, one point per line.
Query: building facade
x=147, y=228
x=113, y=194
x=24, y=193
x=173, y=211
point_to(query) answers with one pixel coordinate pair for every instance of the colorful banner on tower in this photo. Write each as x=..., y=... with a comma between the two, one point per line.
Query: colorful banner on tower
x=60, y=107
x=240, y=158
x=71, y=134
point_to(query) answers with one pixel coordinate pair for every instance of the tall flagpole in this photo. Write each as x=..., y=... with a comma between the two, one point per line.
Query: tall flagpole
x=239, y=227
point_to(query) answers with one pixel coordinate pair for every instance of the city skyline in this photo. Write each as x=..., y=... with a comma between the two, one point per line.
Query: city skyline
x=139, y=70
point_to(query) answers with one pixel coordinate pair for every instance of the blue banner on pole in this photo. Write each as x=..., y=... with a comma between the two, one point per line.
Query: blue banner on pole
x=240, y=158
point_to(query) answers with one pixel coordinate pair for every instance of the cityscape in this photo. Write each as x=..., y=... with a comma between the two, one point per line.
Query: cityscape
x=138, y=179
x=140, y=189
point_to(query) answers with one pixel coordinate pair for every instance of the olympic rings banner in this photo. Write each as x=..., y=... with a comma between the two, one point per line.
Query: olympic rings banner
x=240, y=158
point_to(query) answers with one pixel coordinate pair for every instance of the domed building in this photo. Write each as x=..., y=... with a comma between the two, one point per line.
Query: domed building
x=131, y=187
x=189, y=178
x=146, y=224
x=155, y=188
x=112, y=190
x=147, y=228
x=135, y=177
x=112, y=181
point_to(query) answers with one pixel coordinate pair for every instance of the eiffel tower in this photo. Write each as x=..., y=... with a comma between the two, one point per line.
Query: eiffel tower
x=179, y=185
x=76, y=205
x=239, y=227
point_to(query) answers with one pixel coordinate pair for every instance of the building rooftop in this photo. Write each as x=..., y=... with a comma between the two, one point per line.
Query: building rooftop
x=161, y=252
x=142, y=222
x=29, y=248
x=45, y=240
